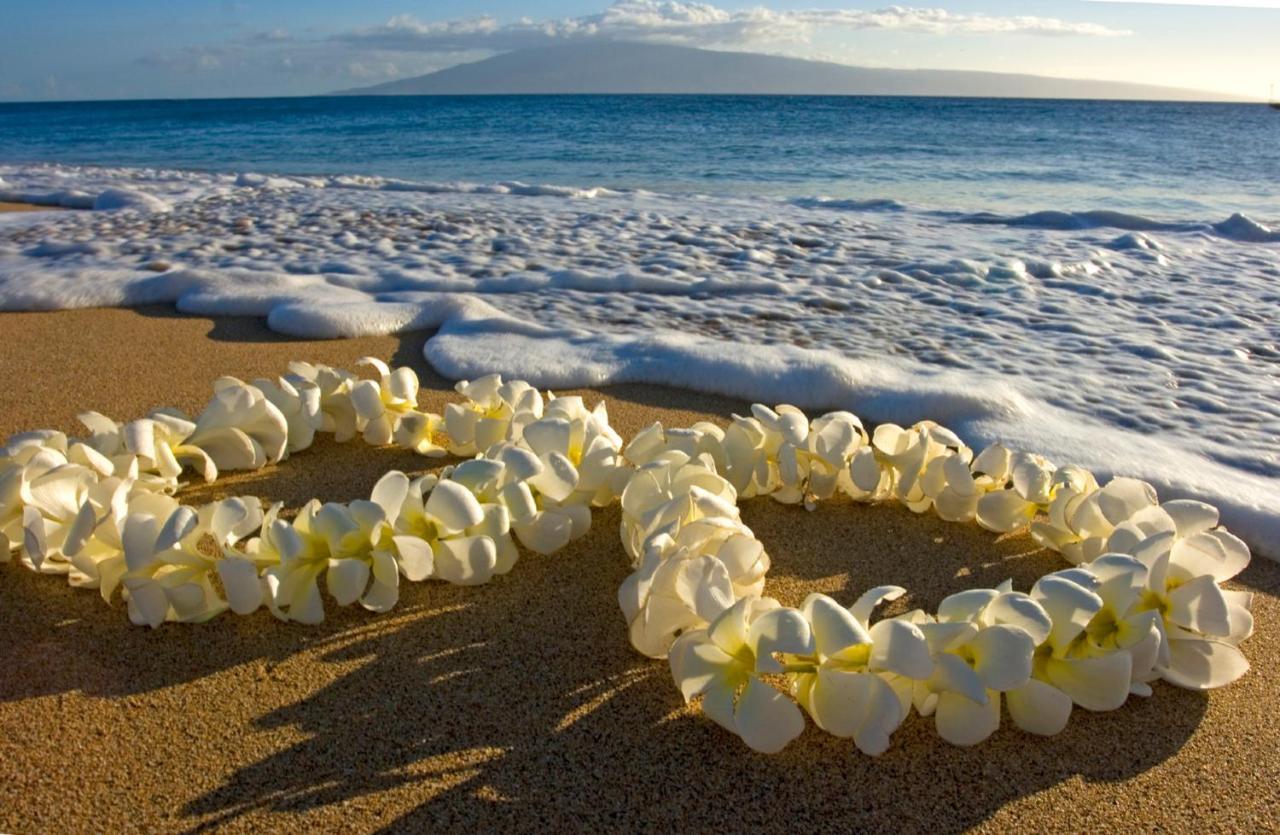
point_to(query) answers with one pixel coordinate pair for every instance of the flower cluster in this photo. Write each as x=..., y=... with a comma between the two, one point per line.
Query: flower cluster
x=1142, y=599
x=102, y=511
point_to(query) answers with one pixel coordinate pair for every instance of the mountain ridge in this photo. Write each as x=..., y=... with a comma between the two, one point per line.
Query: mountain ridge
x=624, y=67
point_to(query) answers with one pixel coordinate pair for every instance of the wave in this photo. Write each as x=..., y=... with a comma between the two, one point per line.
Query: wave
x=153, y=190
x=882, y=204
x=1238, y=227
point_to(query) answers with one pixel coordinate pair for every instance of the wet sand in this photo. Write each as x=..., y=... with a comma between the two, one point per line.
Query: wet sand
x=26, y=207
x=520, y=705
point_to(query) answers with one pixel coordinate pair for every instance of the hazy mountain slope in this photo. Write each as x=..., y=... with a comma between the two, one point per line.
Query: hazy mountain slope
x=618, y=67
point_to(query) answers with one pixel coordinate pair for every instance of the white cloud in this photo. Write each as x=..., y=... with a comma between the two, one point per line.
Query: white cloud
x=698, y=24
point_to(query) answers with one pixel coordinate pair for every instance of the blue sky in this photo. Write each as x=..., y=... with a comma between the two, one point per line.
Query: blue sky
x=78, y=49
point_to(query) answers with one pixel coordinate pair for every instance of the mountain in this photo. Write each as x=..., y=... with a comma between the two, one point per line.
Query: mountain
x=625, y=67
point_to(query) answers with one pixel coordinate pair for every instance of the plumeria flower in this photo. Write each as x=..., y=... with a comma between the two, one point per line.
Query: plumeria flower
x=240, y=429
x=1126, y=621
x=933, y=441
x=542, y=525
x=842, y=683
x=781, y=432
x=381, y=404
x=983, y=644
x=106, y=452
x=581, y=462
x=1096, y=675
x=951, y=486
x=191, y=570
x=494, y=412
x=337, y=414
x=810, y=459
x=869, y=479
x=441, y=529
x=1082, y=517
x=1202, y=623
x=423, y=433
x=701, y=439
x=1029, y=490
x=580, y=452
x=149, y=597
x=297, y=400
x=159, y=443
x=346, y=543
x=682, y=582
x=673, y=591
x=93, y=543
x=51, y=500
x=734, y=545
x=24, y=459
x=502, y=483
x=723, y=664
x=751, y=456
x=669, y=492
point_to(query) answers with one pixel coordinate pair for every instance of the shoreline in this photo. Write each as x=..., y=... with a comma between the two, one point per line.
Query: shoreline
x=520, y=703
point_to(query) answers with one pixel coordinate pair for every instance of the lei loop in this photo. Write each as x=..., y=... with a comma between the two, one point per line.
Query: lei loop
x=1140, y=600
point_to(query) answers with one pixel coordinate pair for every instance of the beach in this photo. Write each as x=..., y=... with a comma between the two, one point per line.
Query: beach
x=22, y=207
x=520, y=704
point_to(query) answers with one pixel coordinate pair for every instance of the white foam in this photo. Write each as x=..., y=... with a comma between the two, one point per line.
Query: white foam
x=1143, y=355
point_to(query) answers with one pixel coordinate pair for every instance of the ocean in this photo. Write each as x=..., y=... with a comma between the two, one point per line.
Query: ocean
x=1096, y=281
x=1168, y=160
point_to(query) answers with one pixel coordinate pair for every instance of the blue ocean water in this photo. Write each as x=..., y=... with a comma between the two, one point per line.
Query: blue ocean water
x=1172, y=161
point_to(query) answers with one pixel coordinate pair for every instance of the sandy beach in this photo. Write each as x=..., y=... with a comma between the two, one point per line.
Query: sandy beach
x=520, y=704
x=25, y=207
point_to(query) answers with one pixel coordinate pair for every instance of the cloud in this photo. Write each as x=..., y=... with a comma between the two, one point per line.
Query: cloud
x=698, y=24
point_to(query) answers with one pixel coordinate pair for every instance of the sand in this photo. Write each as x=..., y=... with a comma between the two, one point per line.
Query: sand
x=26, y=207
x=519, y=705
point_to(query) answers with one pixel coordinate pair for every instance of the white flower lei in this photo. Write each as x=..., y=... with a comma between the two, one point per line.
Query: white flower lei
x=1142, y=601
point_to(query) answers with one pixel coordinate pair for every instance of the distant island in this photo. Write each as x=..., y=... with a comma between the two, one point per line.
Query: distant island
x=620, y=67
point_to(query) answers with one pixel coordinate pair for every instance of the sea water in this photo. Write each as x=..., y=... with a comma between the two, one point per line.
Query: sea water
x=1096, y=281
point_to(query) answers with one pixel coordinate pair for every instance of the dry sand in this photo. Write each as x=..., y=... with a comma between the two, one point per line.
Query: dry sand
x=519, y=705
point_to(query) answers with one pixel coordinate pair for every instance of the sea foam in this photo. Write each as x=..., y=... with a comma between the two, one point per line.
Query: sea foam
x=1132, y=346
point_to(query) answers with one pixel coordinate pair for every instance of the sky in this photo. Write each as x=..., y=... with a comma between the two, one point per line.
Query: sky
x=96, y=49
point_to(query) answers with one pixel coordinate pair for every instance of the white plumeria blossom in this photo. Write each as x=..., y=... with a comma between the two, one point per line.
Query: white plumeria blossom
x=297, y=400
x=844, y=684
x=670, y=491
x=494, y=412
x=337, y=414
x=381, y=404
x=811, y=459
x=722, y=664
x=580, y=453
x=1142, y=601
x=441, y=530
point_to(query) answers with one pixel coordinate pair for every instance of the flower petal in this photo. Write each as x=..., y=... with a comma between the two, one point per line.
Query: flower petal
x=347, y=579
x=241, y=583
x=1098, y=683
x=765, y=719
x=1203, y=665
x=900, y=647
x=465, y=561
x=1038, y=707
x=453, y=508
x=962, y=721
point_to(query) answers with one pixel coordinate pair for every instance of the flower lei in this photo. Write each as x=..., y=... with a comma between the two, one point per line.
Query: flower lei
x=1141, y=601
